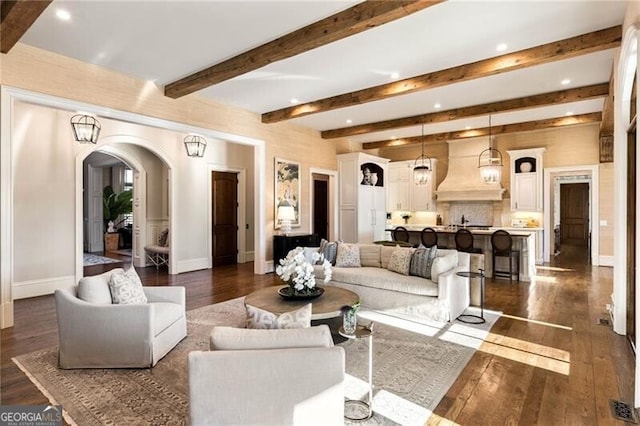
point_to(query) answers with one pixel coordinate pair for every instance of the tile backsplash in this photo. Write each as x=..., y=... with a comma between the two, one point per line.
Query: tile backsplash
x=476, y=212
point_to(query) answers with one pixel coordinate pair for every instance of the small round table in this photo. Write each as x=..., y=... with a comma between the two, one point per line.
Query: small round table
x=469, y=318
x=362, y=332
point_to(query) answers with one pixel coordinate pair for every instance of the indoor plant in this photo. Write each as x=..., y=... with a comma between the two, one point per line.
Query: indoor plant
x=113, y=206
x=297, y=272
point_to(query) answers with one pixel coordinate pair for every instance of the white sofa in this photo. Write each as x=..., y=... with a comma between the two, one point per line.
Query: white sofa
x=267, y=377
x=381, y=289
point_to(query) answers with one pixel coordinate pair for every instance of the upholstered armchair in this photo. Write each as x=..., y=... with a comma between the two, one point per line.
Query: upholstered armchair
x=267, y=377
x=105, y=335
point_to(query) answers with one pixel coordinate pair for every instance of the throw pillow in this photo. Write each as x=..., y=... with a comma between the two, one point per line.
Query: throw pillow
x=330, y=252
x=348, y=256
x=370, y=255
x=385, y=255
x=126, y=288
x=400, y=261
x=163, y=238
x=261, y=319
x=234, y=339
x=442, y=264
x=95, y=289
x=422, y=261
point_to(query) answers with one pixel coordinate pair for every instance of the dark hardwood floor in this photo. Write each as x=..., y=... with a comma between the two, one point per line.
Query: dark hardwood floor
x=546, y=362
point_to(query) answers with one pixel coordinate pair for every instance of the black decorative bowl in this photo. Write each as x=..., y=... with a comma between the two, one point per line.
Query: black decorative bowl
x=290, y=294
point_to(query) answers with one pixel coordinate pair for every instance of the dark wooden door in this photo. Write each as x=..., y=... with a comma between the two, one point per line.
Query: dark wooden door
x=631, y=235
x=321, y=208
x=224, y=187
x=574, y=213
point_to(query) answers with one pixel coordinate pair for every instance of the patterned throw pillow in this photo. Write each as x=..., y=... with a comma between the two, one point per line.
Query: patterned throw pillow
x=400, y=261
x=163, y=238
x=126, y=289
x=421, y=262
x=348, y=256
x=330, y=252
x=261, y=319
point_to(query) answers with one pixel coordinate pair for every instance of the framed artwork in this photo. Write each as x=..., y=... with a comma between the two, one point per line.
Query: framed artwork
x=287, y=188
x=371, y=174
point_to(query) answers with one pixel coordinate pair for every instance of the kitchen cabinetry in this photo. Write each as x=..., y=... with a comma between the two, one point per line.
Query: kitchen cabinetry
x=402, y=191
x=362, y=196
x=526, y=179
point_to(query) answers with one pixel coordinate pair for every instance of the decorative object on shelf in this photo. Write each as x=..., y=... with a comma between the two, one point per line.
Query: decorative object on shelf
x=406, y=217
x=297, y=272
x=291, y=294
x=490, y=162
x=372, y=174
x=286, y=214
x=287, y=192
x=86, y=129
x=525, y=167
x=422, y=171
x=350, y=318
x=195, y=145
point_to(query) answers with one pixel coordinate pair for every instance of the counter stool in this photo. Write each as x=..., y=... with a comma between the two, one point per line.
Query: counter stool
x=401, y=234
x=429, y=237
x=464, y=241
x=501, y=243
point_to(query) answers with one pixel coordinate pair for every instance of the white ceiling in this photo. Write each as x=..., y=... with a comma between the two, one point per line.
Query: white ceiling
x=163, y=41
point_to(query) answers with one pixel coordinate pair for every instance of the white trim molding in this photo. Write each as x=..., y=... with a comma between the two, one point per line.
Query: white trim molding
x=192, y=265
x=607, y=260
x=33, y=288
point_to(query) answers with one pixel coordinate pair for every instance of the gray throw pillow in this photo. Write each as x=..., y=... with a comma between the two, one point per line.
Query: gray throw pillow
x=331, y=252
x=422, y=261
x=126, y=289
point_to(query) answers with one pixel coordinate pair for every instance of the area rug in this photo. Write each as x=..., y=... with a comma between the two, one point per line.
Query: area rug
x=414, y=365
x=93, y=259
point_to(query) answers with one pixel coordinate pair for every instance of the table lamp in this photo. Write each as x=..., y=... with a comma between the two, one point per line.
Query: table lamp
x=286, y=214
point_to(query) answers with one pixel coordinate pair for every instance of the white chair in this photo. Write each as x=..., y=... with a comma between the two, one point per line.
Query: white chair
x=105, y=335
x=267, y=377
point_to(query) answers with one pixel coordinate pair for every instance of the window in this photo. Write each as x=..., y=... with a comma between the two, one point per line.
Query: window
x=127, y=184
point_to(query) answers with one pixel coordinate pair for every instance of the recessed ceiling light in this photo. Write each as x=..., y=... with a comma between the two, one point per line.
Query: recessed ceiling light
x=294, y=101
x=569, y=113
x=501, y=47
x=395, y=75
x=565, y=81
x=467, y=127
x=349, y=121
x=436, y=106
x=63, y=15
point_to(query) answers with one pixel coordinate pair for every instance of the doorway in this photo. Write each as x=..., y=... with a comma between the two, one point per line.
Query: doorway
x=224, y=220
x=574, y=214
x=321, y=206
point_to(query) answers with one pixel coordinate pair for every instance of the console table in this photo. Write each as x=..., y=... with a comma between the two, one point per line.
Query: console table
x=282, y=244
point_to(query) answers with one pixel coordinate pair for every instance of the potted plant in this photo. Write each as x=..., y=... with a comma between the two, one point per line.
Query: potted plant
x=113, y=206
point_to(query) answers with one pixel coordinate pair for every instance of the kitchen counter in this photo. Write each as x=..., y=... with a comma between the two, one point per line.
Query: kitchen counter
x=525, y=240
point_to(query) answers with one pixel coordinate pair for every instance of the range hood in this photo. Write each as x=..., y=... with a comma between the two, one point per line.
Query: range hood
x=463, y=182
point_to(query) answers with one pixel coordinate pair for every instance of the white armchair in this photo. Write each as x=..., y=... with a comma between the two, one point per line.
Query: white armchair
x=267, y=377
x=96, y=335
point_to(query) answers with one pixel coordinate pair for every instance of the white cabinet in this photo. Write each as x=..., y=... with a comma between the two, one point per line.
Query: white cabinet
x=526, y=179
x=362, y=195
x=402, y=191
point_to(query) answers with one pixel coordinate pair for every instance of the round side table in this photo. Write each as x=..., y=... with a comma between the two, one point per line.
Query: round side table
x=469, y=318
x=356, y=405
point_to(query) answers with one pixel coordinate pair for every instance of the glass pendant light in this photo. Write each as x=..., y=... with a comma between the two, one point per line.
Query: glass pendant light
x=490, y=163
x=422, y=171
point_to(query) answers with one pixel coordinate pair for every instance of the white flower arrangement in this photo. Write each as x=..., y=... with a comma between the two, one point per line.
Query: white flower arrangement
x=296, y=271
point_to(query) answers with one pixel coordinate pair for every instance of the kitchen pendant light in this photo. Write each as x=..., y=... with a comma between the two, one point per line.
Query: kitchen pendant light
x=86, y=128
x=422, y=171
x=490, y=163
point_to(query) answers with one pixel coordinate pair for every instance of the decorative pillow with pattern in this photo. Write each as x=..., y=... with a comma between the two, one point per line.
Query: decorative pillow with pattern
x=261, y=319
x=330, y=252
x=348, y=256
x=163, y=238
x=126, y=289
x=421, y=262
x=400, y=261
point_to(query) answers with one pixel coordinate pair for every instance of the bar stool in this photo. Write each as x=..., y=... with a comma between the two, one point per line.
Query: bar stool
x=464, y=241
x=401, y=234
x=429, y=237
x=501, y=243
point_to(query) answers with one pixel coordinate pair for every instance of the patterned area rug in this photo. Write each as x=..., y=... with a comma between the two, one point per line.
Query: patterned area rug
x=414, y=365
x=93, y=259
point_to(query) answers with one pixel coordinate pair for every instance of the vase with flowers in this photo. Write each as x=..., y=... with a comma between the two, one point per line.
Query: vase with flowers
x=298, y=273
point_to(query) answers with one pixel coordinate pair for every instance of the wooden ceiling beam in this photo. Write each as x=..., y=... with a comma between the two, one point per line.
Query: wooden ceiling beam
x=552, y=98
x=15, y=19
x=361, y=17
x=495, y=130
x=606, y=126
x=564, y=49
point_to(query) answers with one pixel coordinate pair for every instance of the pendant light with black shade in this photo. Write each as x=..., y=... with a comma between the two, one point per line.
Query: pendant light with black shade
x=422, y=170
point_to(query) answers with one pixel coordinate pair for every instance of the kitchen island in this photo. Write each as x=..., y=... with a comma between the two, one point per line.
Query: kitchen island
x=524, y=240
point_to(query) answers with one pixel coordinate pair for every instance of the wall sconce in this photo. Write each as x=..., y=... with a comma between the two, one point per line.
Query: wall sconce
x=286, y=215
x=86, y=128
x=195, y=145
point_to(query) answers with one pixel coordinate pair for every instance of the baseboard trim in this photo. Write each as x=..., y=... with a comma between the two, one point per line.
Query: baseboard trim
x=269, y=266
x=249, y=256
x=605, y=260
x=6, y=319
x=192, y=265
x=33, y=288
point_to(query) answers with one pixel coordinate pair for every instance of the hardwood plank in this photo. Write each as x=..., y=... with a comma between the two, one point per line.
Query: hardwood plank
x=484, y=131
x=361, y=17
x=15, y=19
x=596, y=41
x=552, y=98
